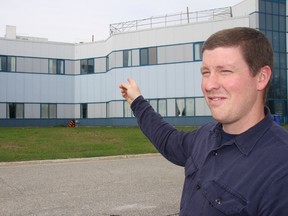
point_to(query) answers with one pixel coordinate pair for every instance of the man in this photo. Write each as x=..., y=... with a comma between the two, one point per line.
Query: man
x=238, y=164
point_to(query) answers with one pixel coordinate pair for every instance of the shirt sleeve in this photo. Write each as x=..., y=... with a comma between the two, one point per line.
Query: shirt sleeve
x=168, y=141
x=275, y=199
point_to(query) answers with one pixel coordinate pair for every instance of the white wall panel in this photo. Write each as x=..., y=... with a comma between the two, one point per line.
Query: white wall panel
x=245, y=8
x=3, y=87
x=162, y=81
x=25, y=88
x=37, y=49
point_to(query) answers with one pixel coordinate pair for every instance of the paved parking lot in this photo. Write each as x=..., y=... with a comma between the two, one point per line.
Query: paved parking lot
x=118, y=186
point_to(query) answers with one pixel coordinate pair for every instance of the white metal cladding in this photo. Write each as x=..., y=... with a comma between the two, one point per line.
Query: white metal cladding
x=159, y=81
x=36, y=88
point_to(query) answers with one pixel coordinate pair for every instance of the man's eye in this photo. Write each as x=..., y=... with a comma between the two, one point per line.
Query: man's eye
x=205, y=73
x=226, y=71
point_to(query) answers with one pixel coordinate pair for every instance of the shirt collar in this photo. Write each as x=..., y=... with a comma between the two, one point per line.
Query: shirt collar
x=248, y=139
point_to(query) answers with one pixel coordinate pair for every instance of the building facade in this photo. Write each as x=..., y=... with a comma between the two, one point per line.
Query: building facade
x=51, y=83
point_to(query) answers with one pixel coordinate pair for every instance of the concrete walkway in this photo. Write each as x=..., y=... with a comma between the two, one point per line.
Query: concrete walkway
x=118, y=186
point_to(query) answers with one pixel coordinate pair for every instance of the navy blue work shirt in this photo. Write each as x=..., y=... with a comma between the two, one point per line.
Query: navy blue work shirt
x=247, y=175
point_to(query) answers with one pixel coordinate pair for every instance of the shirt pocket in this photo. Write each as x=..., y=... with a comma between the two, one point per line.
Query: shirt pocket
x=223, y=198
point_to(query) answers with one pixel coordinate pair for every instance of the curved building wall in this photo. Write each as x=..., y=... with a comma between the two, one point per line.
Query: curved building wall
x=56, y=82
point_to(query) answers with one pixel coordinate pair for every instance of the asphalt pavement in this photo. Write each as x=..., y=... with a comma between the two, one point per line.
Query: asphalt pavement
x=140, y=185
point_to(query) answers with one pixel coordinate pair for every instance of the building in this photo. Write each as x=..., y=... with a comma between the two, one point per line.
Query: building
x=51, y=83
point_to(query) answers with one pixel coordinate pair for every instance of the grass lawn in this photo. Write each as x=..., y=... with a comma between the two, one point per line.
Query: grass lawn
x=40, y=143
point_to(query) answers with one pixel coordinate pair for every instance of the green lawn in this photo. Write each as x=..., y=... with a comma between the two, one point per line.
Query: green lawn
x=40, y=143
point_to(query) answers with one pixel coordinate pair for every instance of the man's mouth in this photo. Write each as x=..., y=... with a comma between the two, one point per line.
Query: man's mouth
x=216, y=99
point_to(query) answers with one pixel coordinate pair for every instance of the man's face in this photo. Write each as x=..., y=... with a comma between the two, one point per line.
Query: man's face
x=229, y=88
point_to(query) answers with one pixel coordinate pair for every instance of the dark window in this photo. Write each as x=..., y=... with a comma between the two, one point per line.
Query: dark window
x=3, y=63
x=84, y=110
x=90, y=66
x=15, y=110
x=198, y=51
x=8, y=63
x=127, y=58
x=144, y=56
x=148, y=56
x=87, y=66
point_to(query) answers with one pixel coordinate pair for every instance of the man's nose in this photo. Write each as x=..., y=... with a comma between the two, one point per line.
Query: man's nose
x=211, y=82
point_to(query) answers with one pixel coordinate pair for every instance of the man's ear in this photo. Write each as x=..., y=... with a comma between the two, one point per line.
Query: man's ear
x=264, y=77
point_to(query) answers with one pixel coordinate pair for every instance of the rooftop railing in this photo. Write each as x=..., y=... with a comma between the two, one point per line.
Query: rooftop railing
x=171, y=19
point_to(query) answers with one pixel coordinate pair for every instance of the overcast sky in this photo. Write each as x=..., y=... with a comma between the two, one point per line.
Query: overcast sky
x=77, y=20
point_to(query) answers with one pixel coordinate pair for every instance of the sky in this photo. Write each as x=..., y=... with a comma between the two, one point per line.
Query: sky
x=74, y=21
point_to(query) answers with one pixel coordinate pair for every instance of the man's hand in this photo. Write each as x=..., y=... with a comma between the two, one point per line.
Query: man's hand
x=130, y=91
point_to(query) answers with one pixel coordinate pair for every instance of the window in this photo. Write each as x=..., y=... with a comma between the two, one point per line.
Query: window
x=144, y=56
x=190, y=107
x=127, y=55
x=159, y=105
x=87, y=66
x=60, y=66
x=48, y=110
x=15, y=110
x=115, y=109
x=201, y=107
x=135, y=57
x=154, y=104
x=175, y=53
x=11, y=64
x=198, y=51
x=116, y=59
x=83, y=110
x=152, y=55
x=97, y=110
x=127, y=110
x=148, y=56
x=32, y=65
x=8, y=63
x=56, y=66
x=100, y=65
x=171, y=107
x=3, y=63
x=180, y=105
x=162, y=107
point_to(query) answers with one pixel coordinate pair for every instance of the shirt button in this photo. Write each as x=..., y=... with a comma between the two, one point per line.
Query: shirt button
x=218, y=200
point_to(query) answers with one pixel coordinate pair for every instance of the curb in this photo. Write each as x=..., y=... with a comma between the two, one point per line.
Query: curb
x=116, y=157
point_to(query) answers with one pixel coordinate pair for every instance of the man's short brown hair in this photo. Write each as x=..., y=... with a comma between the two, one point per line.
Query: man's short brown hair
x=256, y=49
